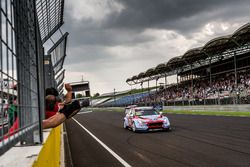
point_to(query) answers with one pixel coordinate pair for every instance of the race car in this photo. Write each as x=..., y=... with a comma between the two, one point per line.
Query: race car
x=145, y=119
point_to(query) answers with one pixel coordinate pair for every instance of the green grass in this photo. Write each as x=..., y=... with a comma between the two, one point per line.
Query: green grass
x=115, y=109
x=221, y=113
x=217, y=113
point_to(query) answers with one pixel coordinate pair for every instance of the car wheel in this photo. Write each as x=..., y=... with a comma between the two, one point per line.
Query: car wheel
x=125, y=125
x=167, y=129
x=134, y=127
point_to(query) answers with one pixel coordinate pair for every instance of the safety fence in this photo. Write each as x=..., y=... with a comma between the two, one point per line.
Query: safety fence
x=25, y=70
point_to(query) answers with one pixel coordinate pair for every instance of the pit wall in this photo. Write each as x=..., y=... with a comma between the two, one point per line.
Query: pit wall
x=50, y=152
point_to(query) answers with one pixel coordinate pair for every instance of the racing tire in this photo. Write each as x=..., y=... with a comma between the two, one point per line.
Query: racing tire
x=167, y=129
x=134, y=127
x=124, y=125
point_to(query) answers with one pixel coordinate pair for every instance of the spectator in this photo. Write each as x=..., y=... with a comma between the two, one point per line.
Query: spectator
x=12, y=111
x=5, y=108
x=49, y=112
x=66, y=109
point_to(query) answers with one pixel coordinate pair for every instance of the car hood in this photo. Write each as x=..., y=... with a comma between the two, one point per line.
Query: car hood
x=151, y=117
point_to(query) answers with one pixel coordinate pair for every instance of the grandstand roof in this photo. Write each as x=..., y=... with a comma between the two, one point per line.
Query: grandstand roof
x=218, y=45
x=212, y=48
x=175, y=62
x=128, y=80
x=161, y=68
x=134, y=77
x=193, y=55
x=150, y=72
x=141, y=75
x=242, y=35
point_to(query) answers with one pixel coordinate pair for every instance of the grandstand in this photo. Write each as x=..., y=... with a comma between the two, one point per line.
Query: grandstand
x=122, y=98
x=100, y=101
x=125, y=100
x=216, y=73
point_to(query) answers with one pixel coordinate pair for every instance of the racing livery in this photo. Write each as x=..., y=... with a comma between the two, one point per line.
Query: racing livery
x=145, y=119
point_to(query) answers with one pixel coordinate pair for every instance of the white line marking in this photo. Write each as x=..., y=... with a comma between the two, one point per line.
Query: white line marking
x=84, y=112
x=104, y=145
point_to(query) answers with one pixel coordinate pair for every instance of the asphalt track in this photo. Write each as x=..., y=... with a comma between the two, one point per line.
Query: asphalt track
x=199, y=141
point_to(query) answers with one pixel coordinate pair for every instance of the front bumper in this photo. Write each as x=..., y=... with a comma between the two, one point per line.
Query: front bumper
x=152, y=126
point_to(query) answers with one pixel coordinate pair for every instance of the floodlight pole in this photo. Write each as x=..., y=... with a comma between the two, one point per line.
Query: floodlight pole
x=114, y=98
x=148, y=86
x=166, y=82
x=156, y=89
x=235, y=69
x=141, y=86
x=210, y=73
x=192, y=83
x=131, y=94
x=177, y=81
x=235, y=77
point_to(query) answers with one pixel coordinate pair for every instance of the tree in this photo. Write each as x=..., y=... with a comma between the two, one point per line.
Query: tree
x=96, y=95
x=78, y=95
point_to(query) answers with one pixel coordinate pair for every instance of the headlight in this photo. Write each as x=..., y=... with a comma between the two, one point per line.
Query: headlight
x=141, y=122
x=166, y=120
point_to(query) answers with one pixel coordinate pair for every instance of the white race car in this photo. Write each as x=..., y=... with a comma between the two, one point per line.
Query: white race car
x=145, y=119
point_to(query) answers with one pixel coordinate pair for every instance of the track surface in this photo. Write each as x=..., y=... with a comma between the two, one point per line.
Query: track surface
x=194, y=141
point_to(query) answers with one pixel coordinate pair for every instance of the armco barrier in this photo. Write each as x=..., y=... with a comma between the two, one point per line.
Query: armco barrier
x=50, y=153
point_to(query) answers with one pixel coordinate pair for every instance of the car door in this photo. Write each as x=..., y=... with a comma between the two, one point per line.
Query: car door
x=130, y=117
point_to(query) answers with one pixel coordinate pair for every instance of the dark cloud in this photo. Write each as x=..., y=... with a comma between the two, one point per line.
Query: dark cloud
x=179, y=15
x=88, y=32
x=125, y=27
x=106, y=37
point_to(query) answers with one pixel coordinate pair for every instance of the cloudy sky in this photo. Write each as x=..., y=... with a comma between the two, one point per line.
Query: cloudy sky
x=112, y=40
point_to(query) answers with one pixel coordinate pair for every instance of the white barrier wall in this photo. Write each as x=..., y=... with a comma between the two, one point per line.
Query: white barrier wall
x=242, y=107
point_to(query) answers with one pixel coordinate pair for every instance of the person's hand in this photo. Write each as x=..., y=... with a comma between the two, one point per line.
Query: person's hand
x=68, y=87
x=61, y=105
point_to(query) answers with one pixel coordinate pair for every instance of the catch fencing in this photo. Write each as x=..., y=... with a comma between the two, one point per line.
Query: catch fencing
x=25, y=71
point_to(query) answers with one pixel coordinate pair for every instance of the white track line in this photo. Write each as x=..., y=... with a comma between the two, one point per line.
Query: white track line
x=104, y=145
x=84, y=112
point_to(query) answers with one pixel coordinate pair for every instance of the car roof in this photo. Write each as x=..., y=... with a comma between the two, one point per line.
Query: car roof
x=131, y=106
x=143, y=108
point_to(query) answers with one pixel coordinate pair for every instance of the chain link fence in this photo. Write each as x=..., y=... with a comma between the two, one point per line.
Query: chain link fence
x=24, y=70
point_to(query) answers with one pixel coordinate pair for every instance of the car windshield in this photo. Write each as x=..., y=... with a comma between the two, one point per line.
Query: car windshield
x=146, y=112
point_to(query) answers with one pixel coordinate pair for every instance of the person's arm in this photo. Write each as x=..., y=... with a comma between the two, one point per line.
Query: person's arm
x=68, y=97
x=53, y=121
